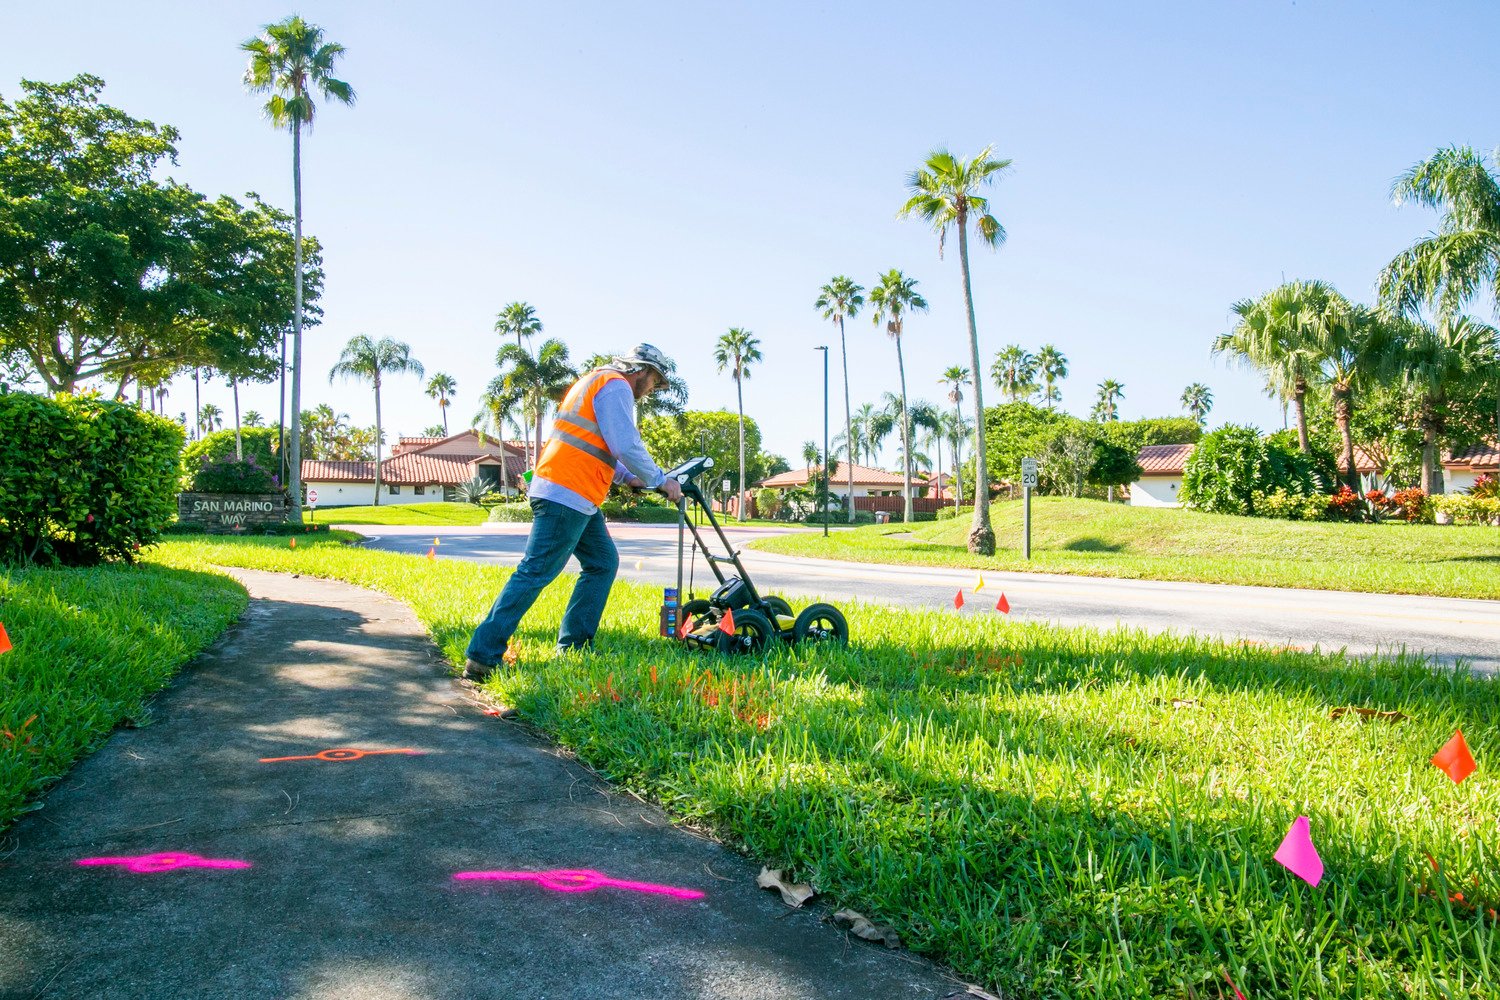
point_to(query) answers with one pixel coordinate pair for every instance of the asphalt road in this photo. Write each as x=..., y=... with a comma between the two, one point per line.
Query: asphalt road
x=1446, y=629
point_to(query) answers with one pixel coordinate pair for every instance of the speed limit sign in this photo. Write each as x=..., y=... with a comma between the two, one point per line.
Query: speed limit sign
x=312, y=498
x=1028, y=473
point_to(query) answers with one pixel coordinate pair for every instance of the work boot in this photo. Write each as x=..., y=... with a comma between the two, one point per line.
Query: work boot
x=476, y=671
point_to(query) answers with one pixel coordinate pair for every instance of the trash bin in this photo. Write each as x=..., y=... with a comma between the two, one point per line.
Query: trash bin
x=882, y=517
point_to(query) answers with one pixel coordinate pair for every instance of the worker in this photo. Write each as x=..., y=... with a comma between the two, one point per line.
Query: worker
x=594, y=443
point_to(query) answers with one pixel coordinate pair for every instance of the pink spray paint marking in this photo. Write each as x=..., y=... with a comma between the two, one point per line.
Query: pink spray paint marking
x=150, y=864
x=578, y=881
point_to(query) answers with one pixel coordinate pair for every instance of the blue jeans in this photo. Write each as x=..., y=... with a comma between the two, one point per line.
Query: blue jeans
x=557, y=532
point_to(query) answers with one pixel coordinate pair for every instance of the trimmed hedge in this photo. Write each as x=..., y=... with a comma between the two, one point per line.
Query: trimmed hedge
x=85, y=479
x=259, y=444
x=511, y=512
x=230, y=476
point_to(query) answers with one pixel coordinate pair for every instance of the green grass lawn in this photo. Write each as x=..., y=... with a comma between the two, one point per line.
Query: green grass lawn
x=436, y=514
x=89, y=646
x=1053, y=812
x=1092, y=538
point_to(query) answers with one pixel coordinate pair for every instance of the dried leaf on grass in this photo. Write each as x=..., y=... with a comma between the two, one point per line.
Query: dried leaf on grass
x=792, y=893
x=862, y=927
x=1366, y=714
x=1179, y=702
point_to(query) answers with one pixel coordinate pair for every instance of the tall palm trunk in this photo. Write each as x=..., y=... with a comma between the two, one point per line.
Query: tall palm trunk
x=377, y=437
x=239, y=443
x=905, y=436
x=197, y=407
x=1432, y=472
x=739, y=392
x=981, y=535
x=958, y=479
x=1343, y=415
x=1299, y=399
x=443, y=405
x=540, y=411
x=294, y=446
x=848, y=421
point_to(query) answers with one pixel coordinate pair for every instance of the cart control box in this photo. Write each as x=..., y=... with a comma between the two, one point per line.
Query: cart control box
x=670, y=610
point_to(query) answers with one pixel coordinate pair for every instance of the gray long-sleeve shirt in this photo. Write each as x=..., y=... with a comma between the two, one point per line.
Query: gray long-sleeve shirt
x=614, y=412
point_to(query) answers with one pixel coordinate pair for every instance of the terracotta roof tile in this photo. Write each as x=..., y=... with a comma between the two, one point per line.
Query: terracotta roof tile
x=1163, y=459
x=863, y=476
x=325, y=471
x=1485, y=456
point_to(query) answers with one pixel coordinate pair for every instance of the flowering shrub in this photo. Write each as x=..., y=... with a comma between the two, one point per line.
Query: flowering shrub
x=1345, y=505
x=1280, y=503
x=1468, y=509
x=1414, y=505
x=1486, y=487
x=230, y=476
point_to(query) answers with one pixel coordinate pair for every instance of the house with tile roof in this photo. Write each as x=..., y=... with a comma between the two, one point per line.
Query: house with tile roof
x=1162, y=466
x=1462, y=468
x=419, y=470
x=867, y=481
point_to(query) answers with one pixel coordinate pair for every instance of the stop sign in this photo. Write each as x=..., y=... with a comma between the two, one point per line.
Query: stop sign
x=312, y=498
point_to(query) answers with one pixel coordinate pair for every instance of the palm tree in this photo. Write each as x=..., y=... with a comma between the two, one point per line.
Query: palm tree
x=893, y=296
x=290, y=60
x=1106, y=405
x=254, y=419
x=441, y=387
x=1197, y=399
x=1052, y=365
x=810, y=456
x=956, y=428
x=869, y=431
x=943, y=193
x=1014, y=372
x=737, y=350
x=1353, y=348
x=210, y=418
x=537, y=382
x=838, y=299
x=370, y=361
x=1434, y=361
x=1279, y=335
x=497, y=407
x=955, y=378
x=1448, y=268
x=519, y=320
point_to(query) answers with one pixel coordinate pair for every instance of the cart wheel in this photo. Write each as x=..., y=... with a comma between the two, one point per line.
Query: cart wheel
x=821, y=623
x=752, y=631
x=779, y=607
x=696, y=608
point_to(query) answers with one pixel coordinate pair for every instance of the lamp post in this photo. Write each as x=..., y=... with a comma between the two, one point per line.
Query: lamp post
x=824, y=349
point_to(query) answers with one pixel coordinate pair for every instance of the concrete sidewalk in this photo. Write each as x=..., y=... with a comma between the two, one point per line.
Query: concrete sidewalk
x=351, y=891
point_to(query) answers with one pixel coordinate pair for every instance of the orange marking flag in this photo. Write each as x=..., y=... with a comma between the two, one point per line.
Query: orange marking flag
x=292, y=543
x=958, y=599
x=432, y=553
x=1002, y=605
x=726, y=624
x=5, y=646
x=1454, y=759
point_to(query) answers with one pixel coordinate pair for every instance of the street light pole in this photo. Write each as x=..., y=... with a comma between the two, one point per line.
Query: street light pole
x=824, y=349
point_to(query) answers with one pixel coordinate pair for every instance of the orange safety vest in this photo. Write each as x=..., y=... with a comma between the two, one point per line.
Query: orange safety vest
x=576, y=455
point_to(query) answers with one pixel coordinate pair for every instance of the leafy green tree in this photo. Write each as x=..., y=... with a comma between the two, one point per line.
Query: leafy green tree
x=1107, y=404
x=1448, y=269
x=1021, y=430
x=838, y=299
x=1113, y=466
x=519, y=320
x=1068, y=457
x=1198, y=399
x=893, y=298
x=290, y=61
x=370, y=361
x=109, y=274
x=441, y=387
x=1234, y=465
x=715, y=433
x=736, y=351
x=1278, y=334
x=1052, y=366
x=1014, y=372
x=1438, y=362
x=955, y=378
x=944, y=192
x=536, y=382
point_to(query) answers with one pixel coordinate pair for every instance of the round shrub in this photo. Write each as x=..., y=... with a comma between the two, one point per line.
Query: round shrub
x=233, y=477
x=511, y=512
x=85, y=478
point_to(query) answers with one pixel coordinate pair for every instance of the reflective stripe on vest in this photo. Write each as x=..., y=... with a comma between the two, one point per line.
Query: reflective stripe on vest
x=576, y=455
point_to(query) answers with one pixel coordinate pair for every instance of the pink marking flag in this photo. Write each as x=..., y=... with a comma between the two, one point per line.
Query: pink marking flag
x=5, y=646
x=726, y=624
x=1002, y=605
x=1298, y=855
x=1454, y=758
x=958, y=599
x=150, y=864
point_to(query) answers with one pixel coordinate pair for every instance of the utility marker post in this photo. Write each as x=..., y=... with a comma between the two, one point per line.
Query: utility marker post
x=1028, y=483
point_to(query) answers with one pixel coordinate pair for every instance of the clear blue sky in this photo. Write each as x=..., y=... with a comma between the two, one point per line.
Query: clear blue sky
x=664, y=171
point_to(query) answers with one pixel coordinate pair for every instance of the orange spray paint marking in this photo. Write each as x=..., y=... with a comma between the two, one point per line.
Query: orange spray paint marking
x=341, y=754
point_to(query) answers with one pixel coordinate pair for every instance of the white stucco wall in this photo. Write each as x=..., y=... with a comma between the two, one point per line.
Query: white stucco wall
x=1458, y=481
x=363, y=494
x=1155, y=491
